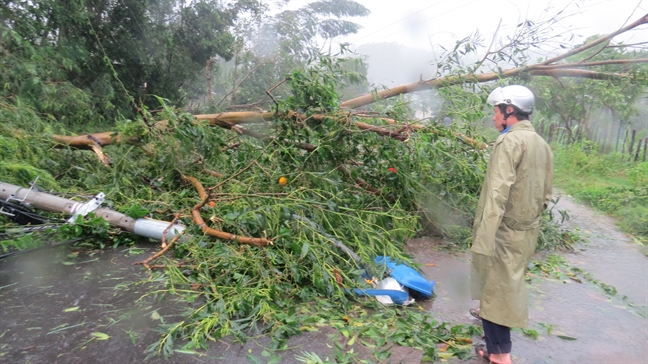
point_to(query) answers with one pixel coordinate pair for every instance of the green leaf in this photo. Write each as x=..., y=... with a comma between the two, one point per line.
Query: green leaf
x=184, y=351
x=136, y=212
x=253, y=359
x=71, y=309
x=304, y=250
x=352, y=341
x=564, y=337
x=100, y=336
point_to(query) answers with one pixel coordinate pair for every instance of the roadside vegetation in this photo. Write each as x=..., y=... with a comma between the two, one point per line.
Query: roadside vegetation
x=608, y=182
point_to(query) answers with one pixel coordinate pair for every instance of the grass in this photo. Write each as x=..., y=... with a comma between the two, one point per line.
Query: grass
x=608, y=183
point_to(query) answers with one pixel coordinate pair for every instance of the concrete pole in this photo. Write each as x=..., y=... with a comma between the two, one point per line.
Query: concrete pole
x=145, y=227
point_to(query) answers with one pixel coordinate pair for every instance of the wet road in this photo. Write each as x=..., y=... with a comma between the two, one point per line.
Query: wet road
x=607, y=329
x=54, y=307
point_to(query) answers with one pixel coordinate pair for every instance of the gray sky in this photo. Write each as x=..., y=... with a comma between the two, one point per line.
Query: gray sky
x=420, y=26
x=421, y=23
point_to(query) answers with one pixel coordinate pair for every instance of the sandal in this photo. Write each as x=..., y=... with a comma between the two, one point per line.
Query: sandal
x=475, y=312
x=480, y=351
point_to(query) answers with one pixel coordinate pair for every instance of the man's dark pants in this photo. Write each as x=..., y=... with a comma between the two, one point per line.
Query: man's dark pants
x=498, y=338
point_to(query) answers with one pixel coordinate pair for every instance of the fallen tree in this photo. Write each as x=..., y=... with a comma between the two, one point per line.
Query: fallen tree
x=548, y=68
x=364, y=178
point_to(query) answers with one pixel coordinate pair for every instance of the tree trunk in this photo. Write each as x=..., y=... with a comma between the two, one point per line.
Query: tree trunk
x=645, y=147
x=625, y=138
x=552, y=130
x=234, y=78
x=89, y=140
x=636, y=158
x=549, y=67
x=610, y=136
x=632, y=140
x=570, y=134
x=208, y=76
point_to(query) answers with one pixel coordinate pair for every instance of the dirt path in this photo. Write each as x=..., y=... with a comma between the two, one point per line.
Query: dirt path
x=55, y=305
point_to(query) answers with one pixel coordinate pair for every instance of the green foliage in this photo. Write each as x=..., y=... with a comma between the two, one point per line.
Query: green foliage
x=584, y=159
x=378, y=331
x=136, y=212
x=239, y=288
x=94, y=59
x=572, y=104
x=531, y=333
x=23, y=154
x=296, y=31
x=314, y=88
x=96, y=227
x=268, y=50
x=608, y=289
x=22, y=242
x=606, y=183
x=552, y=235
x=638, y=174
x=553, y=265
x=557, y=267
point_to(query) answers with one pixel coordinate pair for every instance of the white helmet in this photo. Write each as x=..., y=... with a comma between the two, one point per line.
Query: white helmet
x=516, y=95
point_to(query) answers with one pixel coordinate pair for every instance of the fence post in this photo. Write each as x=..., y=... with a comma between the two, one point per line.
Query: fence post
x=636, y=158
x=625, y=138
x=632, y=140
x=552, y=129
x=645, y=147
x=618, y=136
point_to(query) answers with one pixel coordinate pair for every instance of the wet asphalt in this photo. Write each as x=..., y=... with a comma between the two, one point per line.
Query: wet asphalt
x=67, y=305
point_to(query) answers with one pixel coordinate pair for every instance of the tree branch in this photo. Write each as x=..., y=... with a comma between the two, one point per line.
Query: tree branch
x=239, y=83
x=592, y=64
x=536, y=70
x=195, y=212
x=638, y=22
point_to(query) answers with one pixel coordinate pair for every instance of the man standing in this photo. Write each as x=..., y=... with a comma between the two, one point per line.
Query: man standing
x=516, y=190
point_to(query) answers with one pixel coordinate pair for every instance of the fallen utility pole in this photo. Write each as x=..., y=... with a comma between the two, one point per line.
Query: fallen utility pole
x=145, y=227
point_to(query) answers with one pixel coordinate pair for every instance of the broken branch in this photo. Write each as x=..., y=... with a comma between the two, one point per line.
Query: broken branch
x=165, y=247
x=195, y=212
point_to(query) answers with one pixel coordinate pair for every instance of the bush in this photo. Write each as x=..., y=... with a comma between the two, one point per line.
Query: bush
x=638, y=175
x=606, y=183
x=635, y=220
x=583, y=159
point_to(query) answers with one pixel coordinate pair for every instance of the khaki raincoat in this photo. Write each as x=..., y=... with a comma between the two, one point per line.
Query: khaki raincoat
x=517, y=188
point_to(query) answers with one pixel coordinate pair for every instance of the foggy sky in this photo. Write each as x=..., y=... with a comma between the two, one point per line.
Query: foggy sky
x=421, y=27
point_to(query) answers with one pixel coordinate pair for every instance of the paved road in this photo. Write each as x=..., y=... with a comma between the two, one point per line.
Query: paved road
x=53, y=303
